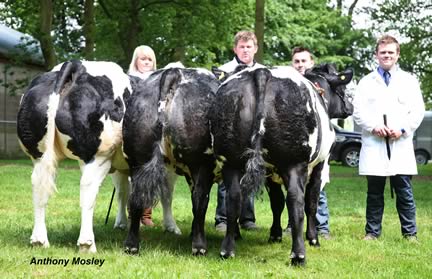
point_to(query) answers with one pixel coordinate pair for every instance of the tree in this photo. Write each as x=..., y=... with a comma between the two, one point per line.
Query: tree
x=411, y=23
x=89, y=30
x=46, y=12
x=318, y=26
x=259, y=28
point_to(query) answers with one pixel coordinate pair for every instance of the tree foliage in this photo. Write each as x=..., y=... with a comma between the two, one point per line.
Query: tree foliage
x=200, y=32
x=317, y=26
x=196, y=32
x=411, y=22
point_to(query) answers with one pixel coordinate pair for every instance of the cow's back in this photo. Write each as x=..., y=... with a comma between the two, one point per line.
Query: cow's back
x=86, y=108
x=233, y=117
x=32, y=114
x=187, y=117
x=141, y=125
x=289, y=122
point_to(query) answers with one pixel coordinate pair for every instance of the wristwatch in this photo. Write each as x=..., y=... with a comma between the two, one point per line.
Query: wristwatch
x=403, y=131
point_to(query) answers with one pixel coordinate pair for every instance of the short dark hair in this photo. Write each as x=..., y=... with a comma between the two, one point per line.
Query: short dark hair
x=298, y=49
x=385, y=40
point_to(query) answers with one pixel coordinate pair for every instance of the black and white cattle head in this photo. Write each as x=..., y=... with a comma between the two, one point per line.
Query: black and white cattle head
x=332, y=86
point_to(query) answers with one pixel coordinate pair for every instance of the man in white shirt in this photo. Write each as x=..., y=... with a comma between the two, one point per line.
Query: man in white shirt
x=389, y=107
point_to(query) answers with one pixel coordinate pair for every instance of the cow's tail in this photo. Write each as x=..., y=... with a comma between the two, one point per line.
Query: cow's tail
x=44, y=171
x=149, y=181
x=254, y=176
x=169, y=81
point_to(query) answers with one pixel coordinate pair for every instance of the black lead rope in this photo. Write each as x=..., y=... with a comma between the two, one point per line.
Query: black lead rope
x=109, y=208
x=388, y=153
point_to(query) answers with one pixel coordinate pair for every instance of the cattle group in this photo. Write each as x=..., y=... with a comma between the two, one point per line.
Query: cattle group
x=266, y=126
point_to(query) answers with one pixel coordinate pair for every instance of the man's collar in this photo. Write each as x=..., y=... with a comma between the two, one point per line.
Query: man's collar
x=381, y=70
x=241, y=62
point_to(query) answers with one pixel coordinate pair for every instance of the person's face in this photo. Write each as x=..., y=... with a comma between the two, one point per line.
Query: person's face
x=302, y=61
x=144, y=63
x=245, y=51
x=387, y=55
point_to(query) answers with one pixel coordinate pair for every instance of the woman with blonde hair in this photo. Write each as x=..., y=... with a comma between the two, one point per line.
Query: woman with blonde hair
x=143, y=62
x=142, y=65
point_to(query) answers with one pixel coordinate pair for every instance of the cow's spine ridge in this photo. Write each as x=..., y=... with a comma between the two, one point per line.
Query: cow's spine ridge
x=253, y=178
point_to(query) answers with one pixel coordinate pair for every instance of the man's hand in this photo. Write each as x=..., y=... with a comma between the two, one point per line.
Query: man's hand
x=383, y=131
x=395, y=134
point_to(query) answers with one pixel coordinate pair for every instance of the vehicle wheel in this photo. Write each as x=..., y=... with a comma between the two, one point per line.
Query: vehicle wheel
x=350, y=156
x=421, y=157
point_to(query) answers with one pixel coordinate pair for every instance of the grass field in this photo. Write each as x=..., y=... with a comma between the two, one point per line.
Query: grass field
x=167, y=256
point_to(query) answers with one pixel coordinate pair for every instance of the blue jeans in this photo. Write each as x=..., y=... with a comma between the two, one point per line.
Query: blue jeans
x=405, y=204
x=322, y=215
x=247, y=213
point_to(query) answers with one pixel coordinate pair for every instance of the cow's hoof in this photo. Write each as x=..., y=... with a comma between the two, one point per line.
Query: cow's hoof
x=314, y=243
x=199, y=252
x=120, y=226
x=131, y=250
x=275, y=239
x=88, y=247
x=227, y=255
x=298, y=260
x=39, y=243
x=173, y=229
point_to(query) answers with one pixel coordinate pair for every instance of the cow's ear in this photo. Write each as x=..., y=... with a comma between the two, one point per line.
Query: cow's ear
x=219, y=74
x=346, y=76
x=341, y=78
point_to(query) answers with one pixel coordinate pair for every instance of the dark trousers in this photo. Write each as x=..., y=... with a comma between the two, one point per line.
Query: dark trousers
x=247, y=213
x=405, y=204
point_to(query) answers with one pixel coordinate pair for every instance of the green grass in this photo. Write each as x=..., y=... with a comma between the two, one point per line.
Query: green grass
x=167, y=256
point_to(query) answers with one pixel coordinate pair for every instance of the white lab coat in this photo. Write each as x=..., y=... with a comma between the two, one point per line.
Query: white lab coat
x=403, y=104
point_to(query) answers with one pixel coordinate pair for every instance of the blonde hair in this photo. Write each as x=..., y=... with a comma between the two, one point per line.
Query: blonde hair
x=145, y=51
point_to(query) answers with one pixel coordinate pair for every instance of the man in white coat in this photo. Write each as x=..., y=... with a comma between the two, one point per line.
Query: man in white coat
x=388, y=106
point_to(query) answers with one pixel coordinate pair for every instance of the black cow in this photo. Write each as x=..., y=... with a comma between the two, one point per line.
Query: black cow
x=75, y=111
x=276, y=121
x=166, y=129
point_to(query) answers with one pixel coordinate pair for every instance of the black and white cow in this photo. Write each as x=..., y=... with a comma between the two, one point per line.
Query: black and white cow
x=75, y=111
x=277, y=120
x=166, y=130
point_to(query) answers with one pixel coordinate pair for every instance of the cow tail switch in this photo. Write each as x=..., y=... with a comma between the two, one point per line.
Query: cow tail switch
x=44, y=171
x=255, y=170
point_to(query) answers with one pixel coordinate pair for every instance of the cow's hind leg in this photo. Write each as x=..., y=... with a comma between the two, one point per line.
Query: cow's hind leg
x=233, y=202
x=92, y=176
x=43, y=186
x=121, y=184
x=169, y=222
x=312, y=195
x=149, y=181
x=295, y=179
x=202, y=182
x=277, y=203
